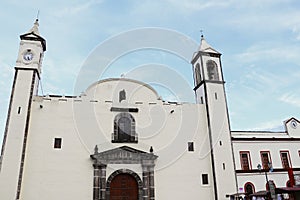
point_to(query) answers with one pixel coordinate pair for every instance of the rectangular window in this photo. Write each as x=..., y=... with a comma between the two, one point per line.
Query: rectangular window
x=285, y=159
x=245, y=160
x=57, y=143
x=190, y=146
x=265, y=159
x=204, y=179
x=19, y=110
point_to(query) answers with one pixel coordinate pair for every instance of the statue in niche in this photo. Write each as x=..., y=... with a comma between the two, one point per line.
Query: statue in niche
x=122, y=95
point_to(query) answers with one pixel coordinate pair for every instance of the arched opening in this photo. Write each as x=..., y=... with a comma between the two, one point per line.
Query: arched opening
x=197, y=74
x=122, y=95
x=212, y=70
x=124, y=129
x=249, y=188
x=124, y=184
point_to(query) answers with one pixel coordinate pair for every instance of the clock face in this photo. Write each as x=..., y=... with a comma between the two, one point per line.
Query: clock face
x=294, y=124
x=28, y=55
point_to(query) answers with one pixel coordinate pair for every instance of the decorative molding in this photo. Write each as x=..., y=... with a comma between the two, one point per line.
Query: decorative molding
x=116, y=109
x=202, y=53
x=8, y=117
x=208, y=81
x=124, y=155
x=34, y=37
x=25, y=137
x=240, y=171
x=274, y=139
x=125, y=171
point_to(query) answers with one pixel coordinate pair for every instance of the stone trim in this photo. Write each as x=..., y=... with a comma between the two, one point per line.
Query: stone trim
x=124, y=136
x=125, y=171
x=254, y=139
x=117, y=109
x=8, y=118
x=254, y=171
x=96, y=185
x=148, y=179
x=25, y=138
x=123, y=155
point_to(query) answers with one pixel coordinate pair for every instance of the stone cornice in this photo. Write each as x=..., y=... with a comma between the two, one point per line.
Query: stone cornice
x=124, y=155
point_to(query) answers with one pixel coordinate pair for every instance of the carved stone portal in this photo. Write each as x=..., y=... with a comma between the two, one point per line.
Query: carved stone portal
x=123, y=155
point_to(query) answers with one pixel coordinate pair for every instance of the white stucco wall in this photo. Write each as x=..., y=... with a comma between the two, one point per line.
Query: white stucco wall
x=86, y=121
x=15, y=136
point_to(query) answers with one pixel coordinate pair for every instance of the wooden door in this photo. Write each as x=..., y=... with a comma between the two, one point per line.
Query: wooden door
x=123, y=187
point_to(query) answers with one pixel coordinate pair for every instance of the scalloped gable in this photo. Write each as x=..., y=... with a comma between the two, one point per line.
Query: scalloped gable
x=122, y=91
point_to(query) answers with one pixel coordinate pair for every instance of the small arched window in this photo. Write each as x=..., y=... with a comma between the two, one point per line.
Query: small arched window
x=122, y=95
x=124, y=129
x=249, y=188
x=212, y=70
x=197, y=74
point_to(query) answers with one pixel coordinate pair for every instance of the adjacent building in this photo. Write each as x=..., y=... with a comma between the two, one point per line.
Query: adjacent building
x=262, y=156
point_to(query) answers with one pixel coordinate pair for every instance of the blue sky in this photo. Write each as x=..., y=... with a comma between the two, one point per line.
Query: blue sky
x=259, y=41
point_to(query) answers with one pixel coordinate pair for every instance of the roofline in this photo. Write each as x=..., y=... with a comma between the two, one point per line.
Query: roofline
x=124, y=79
x=259, y=131
x=36, y=38
x=274, y=139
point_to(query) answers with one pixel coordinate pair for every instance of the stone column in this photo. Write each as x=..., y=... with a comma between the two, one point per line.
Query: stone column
x=151, y=183
x=96, y=189
x=145, y=183
x=148, y=181
x=102, y=182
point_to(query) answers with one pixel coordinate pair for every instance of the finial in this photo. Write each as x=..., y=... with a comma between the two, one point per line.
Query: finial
x=35, y=28
x=151, y=149
x=201, y=31
x=96, y=149
x=37, y=15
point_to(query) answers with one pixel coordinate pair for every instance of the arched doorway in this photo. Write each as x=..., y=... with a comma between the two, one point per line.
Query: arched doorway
x=249, y=188
x=124, y=187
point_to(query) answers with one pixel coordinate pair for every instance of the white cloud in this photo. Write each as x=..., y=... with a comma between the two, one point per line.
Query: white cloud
x=274, y=125
x=291, y=99
x=78, y=8
x=268, y=26
x=196, y=5
x=270, y=52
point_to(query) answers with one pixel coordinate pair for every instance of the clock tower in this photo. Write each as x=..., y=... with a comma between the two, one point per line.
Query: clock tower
x=25, y=86
x=210, y=91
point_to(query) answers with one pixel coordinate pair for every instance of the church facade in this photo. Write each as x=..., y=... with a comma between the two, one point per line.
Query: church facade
x=120, y=140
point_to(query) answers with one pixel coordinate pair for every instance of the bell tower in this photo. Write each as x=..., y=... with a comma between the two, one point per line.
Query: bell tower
x=25, y=86
x=210, y=91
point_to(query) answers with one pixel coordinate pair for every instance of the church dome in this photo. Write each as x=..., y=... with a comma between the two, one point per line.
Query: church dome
x=122, y=90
